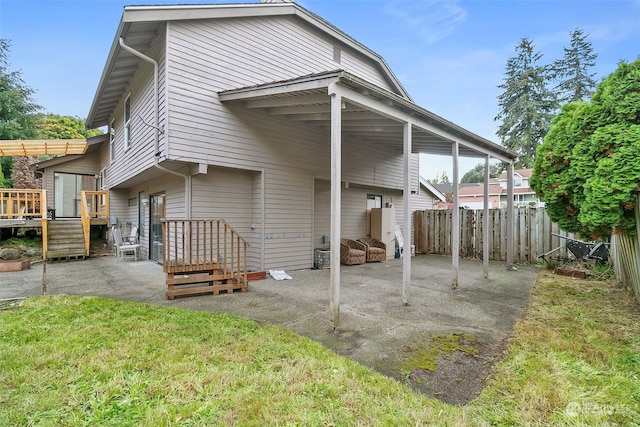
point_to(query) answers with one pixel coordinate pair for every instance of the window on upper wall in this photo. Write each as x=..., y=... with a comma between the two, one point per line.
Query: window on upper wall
x=112, y=141
x=102, y=179
x=127, y=122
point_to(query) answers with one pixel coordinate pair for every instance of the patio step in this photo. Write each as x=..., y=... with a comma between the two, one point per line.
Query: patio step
x=191, y=284
x=65, y=239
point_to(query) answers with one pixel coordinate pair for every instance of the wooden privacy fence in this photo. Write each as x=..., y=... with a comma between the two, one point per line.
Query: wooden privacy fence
x=533, y=233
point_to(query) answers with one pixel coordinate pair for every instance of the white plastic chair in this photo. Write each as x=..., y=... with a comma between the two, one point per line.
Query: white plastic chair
x=133, y=237
x=124, y=250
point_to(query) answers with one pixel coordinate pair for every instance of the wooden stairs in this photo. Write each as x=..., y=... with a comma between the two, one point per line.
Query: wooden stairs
x=65, y=240
x=213, y=280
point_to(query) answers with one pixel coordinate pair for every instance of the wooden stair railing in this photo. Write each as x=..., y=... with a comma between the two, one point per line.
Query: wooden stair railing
x=93, y=204
x=203, y=251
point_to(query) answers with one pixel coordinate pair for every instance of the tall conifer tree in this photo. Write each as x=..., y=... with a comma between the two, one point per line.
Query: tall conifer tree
x=575, y=81
x=526, y=105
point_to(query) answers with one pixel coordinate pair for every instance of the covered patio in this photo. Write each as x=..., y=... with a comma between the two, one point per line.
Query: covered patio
x=350, y=108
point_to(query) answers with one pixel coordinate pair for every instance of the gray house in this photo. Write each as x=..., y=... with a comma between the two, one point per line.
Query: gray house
x=265, y=115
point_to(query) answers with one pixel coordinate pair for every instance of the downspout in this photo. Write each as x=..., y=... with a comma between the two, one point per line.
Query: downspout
x=157, y=130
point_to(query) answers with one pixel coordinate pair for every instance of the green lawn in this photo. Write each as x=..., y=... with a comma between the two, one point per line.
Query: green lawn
x=574, y=359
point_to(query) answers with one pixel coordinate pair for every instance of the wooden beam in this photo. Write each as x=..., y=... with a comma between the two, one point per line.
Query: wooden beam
x=40, y=147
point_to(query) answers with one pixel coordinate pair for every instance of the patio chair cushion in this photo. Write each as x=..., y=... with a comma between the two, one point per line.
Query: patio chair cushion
x=376, y=250
x=352, y=252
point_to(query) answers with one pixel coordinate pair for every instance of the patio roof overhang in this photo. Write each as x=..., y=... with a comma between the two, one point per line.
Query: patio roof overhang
x=369, y=113
x=41, y=147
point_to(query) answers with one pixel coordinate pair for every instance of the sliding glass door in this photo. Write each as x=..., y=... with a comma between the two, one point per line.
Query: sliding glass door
x=66, y=190
x=156, y=208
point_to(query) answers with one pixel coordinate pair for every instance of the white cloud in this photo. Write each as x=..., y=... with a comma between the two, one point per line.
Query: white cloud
x=433, y=20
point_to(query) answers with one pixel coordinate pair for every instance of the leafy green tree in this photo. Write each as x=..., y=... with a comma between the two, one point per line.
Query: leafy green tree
x=440, y=178
x=477, y=173
x=17, y=108
x=587, y=169
x=576, y=82
x=66, y=127
x=526, y=105
x=51, y=126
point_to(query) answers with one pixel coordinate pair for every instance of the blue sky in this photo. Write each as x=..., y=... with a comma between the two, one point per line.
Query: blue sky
x=449, y=55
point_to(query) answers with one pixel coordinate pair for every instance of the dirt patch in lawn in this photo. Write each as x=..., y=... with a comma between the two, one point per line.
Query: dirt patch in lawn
x=456, y=368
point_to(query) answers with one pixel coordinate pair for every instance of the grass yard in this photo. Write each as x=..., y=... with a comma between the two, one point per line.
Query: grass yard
x=574, y=359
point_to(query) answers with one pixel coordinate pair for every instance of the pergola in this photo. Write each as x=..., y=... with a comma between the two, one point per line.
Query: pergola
x=42, y=147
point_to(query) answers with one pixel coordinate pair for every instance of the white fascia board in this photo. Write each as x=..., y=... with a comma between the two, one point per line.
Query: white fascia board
x=432, y=189
x=204, y=11
x=246, y=94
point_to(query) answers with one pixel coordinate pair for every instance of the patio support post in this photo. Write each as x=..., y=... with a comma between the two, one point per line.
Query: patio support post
x=455, y=218
x=485, y=220
x=406, y=249
x=336, y=178
x=510, y=219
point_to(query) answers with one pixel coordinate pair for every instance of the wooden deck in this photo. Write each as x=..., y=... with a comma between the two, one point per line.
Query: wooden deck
x=203, y=256
x=27, y=208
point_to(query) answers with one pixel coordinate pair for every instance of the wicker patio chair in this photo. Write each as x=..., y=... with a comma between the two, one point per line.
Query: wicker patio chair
x=376, y=250
x=352, y=252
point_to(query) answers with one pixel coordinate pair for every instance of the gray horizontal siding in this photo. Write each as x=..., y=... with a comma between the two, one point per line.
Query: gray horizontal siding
x=140, y=155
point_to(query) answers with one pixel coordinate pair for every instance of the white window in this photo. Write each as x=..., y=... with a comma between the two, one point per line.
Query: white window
x=127, y=123
x=112, y=140
x=102, y=179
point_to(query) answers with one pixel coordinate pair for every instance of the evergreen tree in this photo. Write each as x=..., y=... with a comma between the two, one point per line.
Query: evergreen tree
x=526, y=105
x=587, y=169
x=576, y=83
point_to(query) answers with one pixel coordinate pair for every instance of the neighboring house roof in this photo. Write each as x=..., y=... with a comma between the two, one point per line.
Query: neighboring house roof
x=524, y=173
x=140, y=26
x=494, y=190
x=448, y=188
x=477, y=190
x=433, y=190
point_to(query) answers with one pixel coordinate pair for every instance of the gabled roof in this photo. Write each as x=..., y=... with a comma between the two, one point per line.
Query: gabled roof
x=141, y=25
x=523, y=173
x=433, y=190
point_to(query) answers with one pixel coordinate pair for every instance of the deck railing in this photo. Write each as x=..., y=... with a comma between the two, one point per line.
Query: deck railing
x=18, y=205
x=198, y=245
x=94, y=204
